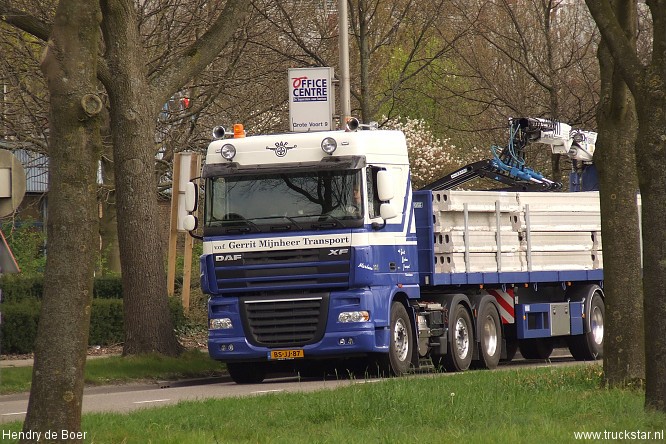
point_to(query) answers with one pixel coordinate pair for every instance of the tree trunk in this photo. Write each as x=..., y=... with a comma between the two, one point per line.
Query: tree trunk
x=148, y=323
x=624, y=358
x=651, y=157
x=648, y=85
x=70, y=68
x=108, y=219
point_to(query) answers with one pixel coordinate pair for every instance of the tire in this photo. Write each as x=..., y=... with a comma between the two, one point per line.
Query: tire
x=399, y=358
x=511, y=349
x=461, y=342
x=246, y=372
x=490, y=339
x=590, y=346
x=536, y=348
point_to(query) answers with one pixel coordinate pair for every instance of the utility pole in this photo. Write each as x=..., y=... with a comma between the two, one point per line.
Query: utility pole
x=343, y=50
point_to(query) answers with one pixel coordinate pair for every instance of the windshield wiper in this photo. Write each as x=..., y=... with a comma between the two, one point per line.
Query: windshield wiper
x=285, y=227
x=249, y=226
x=324, y=222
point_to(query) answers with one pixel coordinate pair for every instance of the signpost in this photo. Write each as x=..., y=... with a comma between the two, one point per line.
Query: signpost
x=185, y=167
x=311, y=99
x=12, y=190
x=12, y=183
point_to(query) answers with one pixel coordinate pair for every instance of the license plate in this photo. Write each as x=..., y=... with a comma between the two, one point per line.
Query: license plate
x=286, y=354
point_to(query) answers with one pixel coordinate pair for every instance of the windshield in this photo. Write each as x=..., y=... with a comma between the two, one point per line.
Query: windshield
x=283, y=202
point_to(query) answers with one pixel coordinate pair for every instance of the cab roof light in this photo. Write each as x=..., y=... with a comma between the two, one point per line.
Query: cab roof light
x=239, y=131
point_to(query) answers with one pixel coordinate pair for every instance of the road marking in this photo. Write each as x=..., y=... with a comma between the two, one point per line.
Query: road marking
x=16, y=413
x=260, y=392
x=367, y=381
x=153, y=400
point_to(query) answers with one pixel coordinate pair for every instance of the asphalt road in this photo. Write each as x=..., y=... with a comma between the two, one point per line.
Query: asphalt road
x=125, y=398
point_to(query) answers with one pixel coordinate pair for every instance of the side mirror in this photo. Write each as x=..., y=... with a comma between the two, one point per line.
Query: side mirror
x=191, y=197
x=385, y=187
x=387, y=211
x=190, y=223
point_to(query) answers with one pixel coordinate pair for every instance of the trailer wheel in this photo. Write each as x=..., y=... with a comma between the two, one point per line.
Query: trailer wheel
x=511, y=349
x=491, y=337
x=246, y=372
x=461, y=342
x=399, y=357
x=590, y=346
x=536, y=348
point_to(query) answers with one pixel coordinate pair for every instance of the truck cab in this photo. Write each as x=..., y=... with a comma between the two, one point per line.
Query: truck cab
x=305, y=239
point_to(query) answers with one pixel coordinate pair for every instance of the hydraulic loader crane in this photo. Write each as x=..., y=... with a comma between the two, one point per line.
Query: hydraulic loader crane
x=508, y=164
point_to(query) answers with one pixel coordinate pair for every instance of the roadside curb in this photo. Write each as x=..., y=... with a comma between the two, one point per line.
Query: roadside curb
x=28, y=362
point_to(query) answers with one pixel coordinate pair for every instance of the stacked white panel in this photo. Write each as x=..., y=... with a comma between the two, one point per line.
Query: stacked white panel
x=538, y=231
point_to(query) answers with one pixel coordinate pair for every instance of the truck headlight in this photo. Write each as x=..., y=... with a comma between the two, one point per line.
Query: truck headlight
x=328, y=145
x=354, y=316
x=220, y=324
x=228, y=151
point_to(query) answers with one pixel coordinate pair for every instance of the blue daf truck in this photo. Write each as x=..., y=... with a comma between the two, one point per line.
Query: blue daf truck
x=316, y=250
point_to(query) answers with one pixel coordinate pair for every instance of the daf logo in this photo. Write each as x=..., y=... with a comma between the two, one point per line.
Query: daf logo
x=338, y=251
x=281, y=148
x=227, y=257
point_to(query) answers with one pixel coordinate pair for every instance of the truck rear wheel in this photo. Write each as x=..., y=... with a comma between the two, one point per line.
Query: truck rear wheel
x=536, y=348
x=399, y=357
x=491, y=337
x=461, y=342
x=247, y=372
x=590, y=346
x=511, y=349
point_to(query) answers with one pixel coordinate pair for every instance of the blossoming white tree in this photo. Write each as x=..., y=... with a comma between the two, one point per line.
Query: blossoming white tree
x=430, y=157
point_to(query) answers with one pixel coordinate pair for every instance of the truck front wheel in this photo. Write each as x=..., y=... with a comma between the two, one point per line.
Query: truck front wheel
x=246, y=372
x=399, y=357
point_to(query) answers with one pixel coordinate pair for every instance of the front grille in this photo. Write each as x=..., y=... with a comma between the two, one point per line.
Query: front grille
x=285, y=321
x=295, y=269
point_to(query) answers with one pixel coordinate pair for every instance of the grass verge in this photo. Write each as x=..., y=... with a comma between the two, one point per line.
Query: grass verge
x=117, y=369
x=513, y=406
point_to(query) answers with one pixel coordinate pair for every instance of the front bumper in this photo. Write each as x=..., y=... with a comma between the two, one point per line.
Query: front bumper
x=332, y=338
x=335, y=344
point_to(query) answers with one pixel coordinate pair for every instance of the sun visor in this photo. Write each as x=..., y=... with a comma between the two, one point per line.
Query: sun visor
x=327, y=164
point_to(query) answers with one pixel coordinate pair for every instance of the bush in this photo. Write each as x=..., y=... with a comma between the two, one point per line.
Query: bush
x=106, y=322
x=17, y=287
x=19, y=326
x=108, y=287
x=20, y=319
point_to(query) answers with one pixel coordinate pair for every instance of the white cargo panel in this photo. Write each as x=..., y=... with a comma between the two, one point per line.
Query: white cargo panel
x=557, y=221
x=562, y=241
x=478, y=263
x=561, y=260
x=536, y=261
x=476, y=221
x=477, y=242
x=566, y=202
x=452, y=200
x=538, y=231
